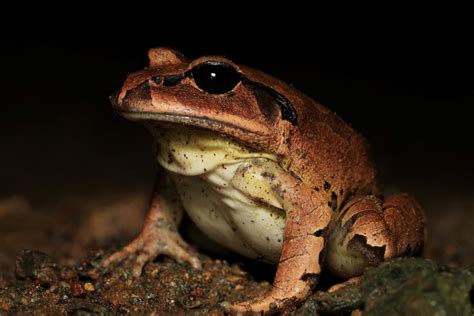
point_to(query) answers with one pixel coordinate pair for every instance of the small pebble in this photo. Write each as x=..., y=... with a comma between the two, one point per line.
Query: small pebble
x=233, y=278
x=89, y=287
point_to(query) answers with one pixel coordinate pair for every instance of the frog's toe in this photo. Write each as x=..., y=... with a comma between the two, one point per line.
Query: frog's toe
x=176, y=249
x=150, y=244
x=121, y=255
x=269, y=303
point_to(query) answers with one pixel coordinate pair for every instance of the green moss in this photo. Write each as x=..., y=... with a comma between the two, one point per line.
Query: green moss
x=403, y=286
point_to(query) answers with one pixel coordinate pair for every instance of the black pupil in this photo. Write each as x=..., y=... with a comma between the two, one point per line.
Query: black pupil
x=215, y=78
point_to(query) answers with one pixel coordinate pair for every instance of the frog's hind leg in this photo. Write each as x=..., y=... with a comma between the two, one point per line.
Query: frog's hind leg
x=369, y=231
x=159, y=234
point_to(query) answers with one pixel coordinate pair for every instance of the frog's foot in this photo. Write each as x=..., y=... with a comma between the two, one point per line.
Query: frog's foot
x=152, y=242
x=340, y=286
x=273, y=301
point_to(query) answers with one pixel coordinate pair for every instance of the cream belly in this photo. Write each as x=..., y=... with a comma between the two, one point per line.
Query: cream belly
x=203, y=165
x=232, y=219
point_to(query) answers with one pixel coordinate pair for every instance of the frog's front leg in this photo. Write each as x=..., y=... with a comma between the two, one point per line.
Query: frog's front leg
x=307, y=219
x=159, y=234
x=369, y=231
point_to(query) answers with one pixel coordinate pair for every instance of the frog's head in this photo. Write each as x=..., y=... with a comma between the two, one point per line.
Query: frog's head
x=210, y=92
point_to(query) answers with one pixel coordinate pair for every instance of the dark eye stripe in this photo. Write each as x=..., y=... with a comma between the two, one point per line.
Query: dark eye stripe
x=288, y=111
x=172, y=80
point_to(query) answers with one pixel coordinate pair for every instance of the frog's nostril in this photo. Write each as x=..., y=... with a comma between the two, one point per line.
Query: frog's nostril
x=114, y=98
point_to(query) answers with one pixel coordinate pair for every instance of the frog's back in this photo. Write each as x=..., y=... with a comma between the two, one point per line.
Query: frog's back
x=331, y=155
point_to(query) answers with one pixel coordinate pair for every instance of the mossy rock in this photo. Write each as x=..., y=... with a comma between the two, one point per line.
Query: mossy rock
x=403, y=286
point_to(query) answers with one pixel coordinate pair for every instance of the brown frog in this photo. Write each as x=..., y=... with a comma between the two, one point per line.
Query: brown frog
x=261, y=169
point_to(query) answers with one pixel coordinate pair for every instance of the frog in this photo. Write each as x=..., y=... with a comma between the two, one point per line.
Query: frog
x=263, y=170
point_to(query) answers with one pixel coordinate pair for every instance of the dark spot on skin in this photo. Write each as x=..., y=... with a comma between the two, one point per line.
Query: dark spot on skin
x=279, y=240
x=374, y=255
x=170, y=158
x=319, y=232
x=342, y=232
x=234, y=229
x=316, y=189
x=333, y=203
x=252, y=221
x=268, y=175
x=327, y=186
x=172, y=80
x=312, y=277
x=267, y=238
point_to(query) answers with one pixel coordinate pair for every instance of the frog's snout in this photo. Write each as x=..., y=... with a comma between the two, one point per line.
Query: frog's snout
x=114, y=98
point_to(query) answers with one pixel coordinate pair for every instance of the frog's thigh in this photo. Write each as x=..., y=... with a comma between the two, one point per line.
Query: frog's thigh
x=369, y=232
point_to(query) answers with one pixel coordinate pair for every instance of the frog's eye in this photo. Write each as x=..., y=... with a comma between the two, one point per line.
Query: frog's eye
x=215, y=77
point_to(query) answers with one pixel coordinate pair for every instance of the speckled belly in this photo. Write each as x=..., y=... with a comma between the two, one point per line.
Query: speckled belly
x=230, y=218
x=203, y=165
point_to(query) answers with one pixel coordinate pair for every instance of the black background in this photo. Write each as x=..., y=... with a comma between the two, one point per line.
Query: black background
x=410, y=96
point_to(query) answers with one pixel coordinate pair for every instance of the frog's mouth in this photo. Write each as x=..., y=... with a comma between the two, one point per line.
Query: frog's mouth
x=250, y=138
x=202, y=122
